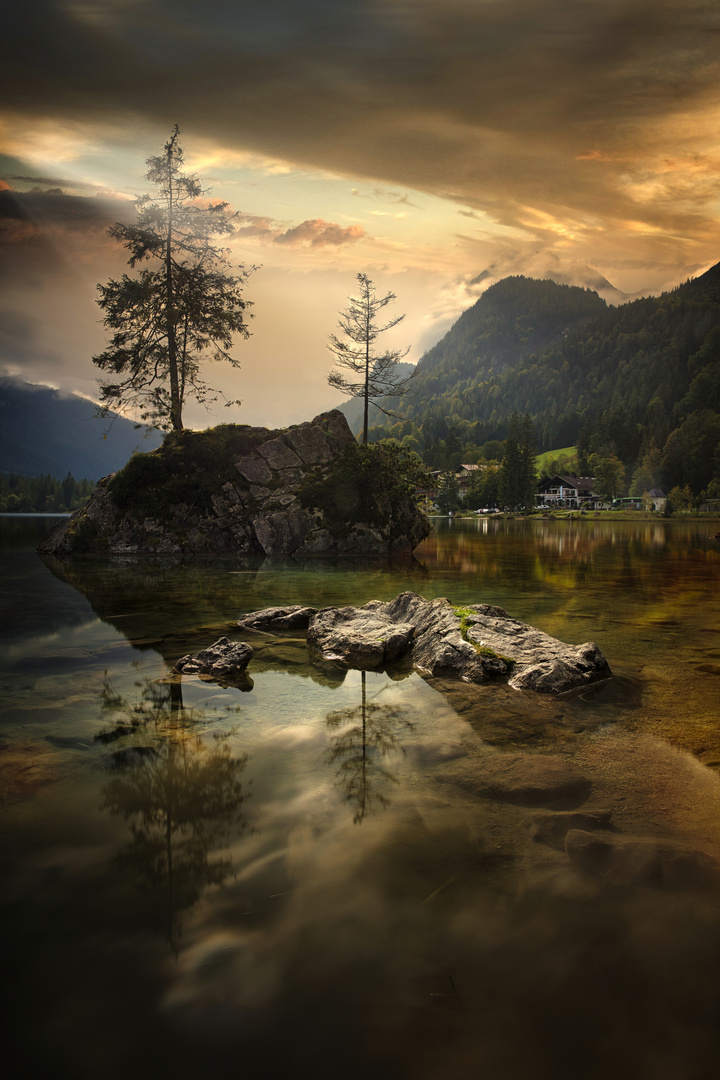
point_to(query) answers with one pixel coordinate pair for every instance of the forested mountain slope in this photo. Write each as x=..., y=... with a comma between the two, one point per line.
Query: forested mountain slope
x=575, y=365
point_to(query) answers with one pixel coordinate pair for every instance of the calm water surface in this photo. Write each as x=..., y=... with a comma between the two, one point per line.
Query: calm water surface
x=294, y=876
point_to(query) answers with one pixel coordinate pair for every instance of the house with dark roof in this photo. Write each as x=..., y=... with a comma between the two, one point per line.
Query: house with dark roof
x=567, y=492
x=655, y=499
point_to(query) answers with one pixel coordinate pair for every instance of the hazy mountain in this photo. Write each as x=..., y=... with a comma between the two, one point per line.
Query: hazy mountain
x=545, y=265
x=45, y=432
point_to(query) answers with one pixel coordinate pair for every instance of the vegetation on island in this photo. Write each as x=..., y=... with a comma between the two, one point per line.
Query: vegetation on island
x=187, y=470
x=368, y=484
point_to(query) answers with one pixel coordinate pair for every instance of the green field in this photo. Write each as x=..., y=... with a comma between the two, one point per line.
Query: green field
x=542, y=458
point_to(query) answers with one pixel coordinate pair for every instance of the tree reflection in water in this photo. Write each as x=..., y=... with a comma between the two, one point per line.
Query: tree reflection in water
x=359, y=748
x=182, y=797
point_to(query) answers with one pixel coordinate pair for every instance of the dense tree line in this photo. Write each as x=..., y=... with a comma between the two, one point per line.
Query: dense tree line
x=42, y=494
x=635, y=388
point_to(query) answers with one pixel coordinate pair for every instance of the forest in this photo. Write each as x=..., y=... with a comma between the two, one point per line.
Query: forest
x=635, y=389
x=42, y=494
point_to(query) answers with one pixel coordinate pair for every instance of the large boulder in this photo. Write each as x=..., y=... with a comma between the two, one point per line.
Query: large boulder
x=440, y=640
x=358, y=637
x=239, y=490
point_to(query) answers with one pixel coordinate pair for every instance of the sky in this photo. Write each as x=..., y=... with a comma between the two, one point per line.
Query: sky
x=434, y=145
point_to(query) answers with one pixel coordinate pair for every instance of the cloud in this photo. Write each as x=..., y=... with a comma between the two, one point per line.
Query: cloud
x=319, y=233
x=500, y=105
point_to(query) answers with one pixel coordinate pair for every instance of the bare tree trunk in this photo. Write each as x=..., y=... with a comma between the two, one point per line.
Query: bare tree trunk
x=175, y=400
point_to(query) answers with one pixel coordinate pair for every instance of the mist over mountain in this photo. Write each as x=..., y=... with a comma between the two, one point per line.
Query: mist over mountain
x=45, y=432
x=545, y=265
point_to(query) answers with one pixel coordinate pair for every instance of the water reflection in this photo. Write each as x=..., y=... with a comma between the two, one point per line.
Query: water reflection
x=182, y=798
x=372, y=735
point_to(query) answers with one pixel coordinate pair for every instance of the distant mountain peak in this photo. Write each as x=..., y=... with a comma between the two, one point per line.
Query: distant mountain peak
x=547, y=265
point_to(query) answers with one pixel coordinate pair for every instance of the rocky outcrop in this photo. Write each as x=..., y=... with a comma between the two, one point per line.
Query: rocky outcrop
x=359, y=638
x=238, y=490
x=440, y=639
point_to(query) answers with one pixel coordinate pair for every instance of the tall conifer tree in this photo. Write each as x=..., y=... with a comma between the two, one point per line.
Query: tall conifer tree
x=182, y=311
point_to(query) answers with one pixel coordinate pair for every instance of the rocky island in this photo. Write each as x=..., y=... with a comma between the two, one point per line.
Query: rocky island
x=308, y=489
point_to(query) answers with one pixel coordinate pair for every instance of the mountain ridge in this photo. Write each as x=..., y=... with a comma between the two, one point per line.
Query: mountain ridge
x=47, y=432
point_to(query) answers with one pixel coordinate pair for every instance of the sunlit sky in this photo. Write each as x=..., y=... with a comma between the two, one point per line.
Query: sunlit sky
x=422, y=142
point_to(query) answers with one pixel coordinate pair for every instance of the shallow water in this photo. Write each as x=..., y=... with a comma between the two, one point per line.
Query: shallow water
x=301, y=876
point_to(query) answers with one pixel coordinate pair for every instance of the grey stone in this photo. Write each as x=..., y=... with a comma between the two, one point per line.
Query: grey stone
x=254, y=468
x=310, y=443
x=637, y=861
x=259, y=493
x=231, y=494
x=283, y=531
x=278, y=455
x=336, y=430
x=542, y=662
x=358, y=638
x=294, y=617
x=222, y=659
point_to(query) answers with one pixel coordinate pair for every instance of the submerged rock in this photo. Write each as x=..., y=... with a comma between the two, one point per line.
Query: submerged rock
x=634, y=861
x=524, y=779
x=551, y=827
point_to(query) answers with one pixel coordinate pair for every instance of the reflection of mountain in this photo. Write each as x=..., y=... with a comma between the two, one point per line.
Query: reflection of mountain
x=569, y=556
x=180, y=797
x=368, y=733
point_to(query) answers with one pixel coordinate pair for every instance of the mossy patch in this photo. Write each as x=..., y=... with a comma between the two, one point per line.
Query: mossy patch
x=188, y=469
x=465, y=614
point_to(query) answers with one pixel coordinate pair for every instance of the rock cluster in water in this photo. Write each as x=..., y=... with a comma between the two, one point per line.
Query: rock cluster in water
x=245, y=504
x=475, y=643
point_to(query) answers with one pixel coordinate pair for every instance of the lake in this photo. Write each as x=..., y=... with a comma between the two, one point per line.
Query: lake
x=299, y=877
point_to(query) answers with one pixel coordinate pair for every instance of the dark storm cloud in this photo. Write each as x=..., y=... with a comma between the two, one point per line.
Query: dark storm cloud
x=506, y=99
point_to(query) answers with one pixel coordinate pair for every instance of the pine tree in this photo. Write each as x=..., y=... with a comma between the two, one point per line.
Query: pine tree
x=185, y=310
x=375, y=375
x=518, y=480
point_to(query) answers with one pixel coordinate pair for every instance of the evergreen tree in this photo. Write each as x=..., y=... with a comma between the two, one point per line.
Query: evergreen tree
x=448, y=492
x=518, y=480
x=375, y=374
x=184, y=310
